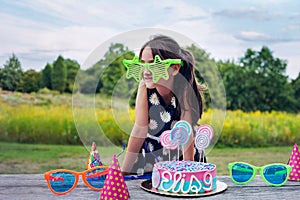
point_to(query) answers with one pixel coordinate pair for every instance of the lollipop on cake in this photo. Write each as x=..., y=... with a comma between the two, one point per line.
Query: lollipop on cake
x=165, y=140
x=204, y=135
x=180, y=134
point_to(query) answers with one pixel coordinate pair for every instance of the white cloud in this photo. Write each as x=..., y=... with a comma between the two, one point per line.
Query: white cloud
x=253, y=36
x=251, y=12
x=291, y=53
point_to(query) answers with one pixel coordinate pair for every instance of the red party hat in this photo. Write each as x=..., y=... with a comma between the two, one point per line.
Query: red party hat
x=295, y=163
x=114, y=186
x=94, y=157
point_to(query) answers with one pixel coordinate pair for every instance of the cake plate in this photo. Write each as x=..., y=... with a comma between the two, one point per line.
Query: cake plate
x=147, y=186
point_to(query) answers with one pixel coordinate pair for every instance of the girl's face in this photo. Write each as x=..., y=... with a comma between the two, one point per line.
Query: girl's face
x=147, y=57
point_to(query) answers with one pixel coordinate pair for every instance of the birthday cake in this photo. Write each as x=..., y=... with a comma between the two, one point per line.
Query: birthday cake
x=184, y=177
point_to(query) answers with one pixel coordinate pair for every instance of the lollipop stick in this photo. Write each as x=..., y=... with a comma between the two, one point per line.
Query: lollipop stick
x=201, y=155
x=178, y=152
x=169, y=155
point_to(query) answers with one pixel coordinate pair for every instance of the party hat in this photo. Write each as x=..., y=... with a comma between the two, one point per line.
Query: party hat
x=295, y=163
x=114, y=186
x=94, y=158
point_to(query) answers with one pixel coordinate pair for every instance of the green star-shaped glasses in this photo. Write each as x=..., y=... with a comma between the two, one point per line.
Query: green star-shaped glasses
x=158, y=68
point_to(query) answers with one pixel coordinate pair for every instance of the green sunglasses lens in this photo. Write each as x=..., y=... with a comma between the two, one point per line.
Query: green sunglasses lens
x=241, y=172
x=275, y=174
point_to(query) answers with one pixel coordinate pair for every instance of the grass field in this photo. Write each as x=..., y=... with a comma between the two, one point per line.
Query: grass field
x=18, y=158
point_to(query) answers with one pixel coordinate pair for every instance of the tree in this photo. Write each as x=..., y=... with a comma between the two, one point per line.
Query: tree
x=266, y=86
x=30, y=81
x=72, y=69
x=88, y=85
x=231, y=75
x=115, y=70
x=207, y=74
x=11, y=74
x=59, y=75
x=296, y=87
x=46, y=77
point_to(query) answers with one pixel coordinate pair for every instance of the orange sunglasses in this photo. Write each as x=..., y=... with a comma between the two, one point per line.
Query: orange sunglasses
x=63, y=181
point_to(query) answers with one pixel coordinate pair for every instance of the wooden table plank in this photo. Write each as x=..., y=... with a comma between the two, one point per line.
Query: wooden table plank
x=33, y=186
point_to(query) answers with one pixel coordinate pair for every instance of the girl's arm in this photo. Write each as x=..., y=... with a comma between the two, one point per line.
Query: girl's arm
x=139, y=131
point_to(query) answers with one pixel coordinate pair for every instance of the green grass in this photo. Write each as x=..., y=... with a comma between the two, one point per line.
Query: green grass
x=18, y=158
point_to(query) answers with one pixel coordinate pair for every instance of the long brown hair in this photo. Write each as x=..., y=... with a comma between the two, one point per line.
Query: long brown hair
x=166, y=48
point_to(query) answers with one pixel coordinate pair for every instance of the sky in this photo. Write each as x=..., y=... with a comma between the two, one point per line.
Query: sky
x=38, y=31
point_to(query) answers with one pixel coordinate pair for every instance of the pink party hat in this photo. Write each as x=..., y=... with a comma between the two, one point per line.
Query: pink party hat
x=94, y=158
x=295, y=163
x=114, y=186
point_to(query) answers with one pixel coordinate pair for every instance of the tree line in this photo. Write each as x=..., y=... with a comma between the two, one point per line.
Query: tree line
x=256, y=81
x=59, y=76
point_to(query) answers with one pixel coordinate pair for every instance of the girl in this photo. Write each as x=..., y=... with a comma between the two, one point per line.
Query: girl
x=159, y=105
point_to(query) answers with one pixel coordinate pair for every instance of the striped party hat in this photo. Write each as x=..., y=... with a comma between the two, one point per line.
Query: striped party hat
x=114, y=187
x=94, y=157
x=295, y=164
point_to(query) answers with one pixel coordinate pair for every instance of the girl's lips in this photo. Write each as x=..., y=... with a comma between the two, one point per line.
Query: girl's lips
x=148, y=78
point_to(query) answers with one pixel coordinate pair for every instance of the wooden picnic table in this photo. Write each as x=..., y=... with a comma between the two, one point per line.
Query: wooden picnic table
x=33, y=186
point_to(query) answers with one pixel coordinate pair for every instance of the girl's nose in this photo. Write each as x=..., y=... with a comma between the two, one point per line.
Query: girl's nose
x=147, y=72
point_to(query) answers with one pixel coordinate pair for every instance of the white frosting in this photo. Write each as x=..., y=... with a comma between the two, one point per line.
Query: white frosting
x=179, y=178
x=209, y=183
x=194, y=188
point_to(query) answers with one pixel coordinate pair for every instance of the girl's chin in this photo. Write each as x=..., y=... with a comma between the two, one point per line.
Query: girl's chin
x=150, y=85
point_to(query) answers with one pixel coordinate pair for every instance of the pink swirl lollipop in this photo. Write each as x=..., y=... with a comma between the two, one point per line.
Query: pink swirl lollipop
x=179, y=136
x=202, y=141
x=165, y=140
x=207, y=129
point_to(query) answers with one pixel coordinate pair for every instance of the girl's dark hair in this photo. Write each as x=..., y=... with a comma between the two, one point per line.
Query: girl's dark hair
x=167, y=47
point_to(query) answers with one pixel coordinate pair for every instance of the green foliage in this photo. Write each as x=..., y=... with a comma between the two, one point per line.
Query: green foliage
x=72, y=69
x=259, y=129
x=59, y=75
x=258, y=82
x=207, y=74
x=88, y=86
x=46, y=76
x=39, y=158
x=115, y=70
x=11, y=74
x=30, y=81
x=266, y=81
x=231, y=75
x=54, y=124
x=296, y=87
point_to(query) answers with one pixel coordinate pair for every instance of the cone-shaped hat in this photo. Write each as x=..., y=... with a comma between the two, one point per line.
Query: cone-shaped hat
x=295, y=163
x=94, y=157
x=114, y=186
